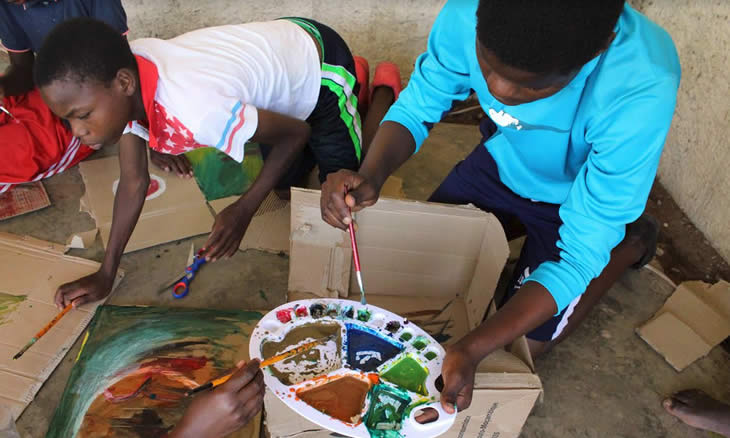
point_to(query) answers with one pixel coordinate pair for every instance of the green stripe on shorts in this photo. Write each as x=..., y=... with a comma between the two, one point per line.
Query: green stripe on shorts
x=342, y=83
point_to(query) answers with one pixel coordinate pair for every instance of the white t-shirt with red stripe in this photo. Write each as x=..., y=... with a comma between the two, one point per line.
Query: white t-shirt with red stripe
x=203, y=88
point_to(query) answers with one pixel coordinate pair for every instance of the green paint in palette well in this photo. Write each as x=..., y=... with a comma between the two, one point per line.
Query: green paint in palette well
x=407, y=373
x=387, y=410
x=8, y=304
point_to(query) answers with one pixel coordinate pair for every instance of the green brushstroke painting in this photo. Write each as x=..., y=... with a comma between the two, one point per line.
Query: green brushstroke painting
x=132, y=374
x=219, y=176
x=8, y=304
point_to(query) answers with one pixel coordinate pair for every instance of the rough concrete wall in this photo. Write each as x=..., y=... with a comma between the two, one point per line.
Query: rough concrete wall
x=694, y=167
x=376, y=29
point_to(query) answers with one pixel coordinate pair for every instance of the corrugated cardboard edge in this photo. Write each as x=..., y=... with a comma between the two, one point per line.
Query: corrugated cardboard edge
x=693, y=320
x=312, y=238
x=33, y=245
x=269, y=228
x=82, y=239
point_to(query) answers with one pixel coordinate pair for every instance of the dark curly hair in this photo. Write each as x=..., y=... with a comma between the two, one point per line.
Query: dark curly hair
x=546, y=36
x=82, y=49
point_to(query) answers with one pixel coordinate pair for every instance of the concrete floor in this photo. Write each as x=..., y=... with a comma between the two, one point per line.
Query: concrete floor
x=602, y=382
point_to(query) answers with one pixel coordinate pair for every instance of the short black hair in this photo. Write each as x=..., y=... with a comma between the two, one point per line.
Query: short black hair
x=546, y=36
x=82, y=49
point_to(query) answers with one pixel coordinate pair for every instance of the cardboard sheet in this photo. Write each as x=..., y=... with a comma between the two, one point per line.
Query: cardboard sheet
x=269, y=229
x=31, y=271
x=694, y=319
x=175, y=208
x=22, y=199
x=437, y=265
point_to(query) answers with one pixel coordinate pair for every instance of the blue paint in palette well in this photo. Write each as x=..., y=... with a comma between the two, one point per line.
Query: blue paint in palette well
x=367, y=350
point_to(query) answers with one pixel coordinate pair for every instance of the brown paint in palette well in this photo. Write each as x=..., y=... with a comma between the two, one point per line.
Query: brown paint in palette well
x=342, y=399
x=312, y=363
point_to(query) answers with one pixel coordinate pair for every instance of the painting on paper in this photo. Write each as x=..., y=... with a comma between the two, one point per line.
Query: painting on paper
x=137, y=363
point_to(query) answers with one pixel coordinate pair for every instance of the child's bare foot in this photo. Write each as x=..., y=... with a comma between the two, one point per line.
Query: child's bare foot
x=178, y=164
x=699, y=410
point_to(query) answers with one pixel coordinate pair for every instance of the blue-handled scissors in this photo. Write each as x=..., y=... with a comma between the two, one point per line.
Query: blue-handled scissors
x=181, y=285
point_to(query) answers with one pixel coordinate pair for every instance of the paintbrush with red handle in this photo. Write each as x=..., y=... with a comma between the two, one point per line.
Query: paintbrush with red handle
x=356, y=258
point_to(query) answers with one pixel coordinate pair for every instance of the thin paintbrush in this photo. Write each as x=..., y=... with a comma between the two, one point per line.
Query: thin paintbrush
x=270, y=361
x=43, y=331
x=356, y=257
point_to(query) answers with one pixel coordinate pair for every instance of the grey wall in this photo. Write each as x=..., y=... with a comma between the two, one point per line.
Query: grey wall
x=694, y=166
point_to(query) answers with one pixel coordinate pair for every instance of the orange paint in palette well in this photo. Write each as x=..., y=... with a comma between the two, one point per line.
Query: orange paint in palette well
x=342, y=398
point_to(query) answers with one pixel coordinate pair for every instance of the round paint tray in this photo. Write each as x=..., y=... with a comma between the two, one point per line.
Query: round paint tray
x=371, y=374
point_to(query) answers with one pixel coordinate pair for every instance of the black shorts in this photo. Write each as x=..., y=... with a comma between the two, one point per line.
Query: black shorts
x=336, y=130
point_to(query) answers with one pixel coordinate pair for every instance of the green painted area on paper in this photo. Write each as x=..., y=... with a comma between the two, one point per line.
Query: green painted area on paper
x=220, y=176
x=8, y=304
x=407, y=373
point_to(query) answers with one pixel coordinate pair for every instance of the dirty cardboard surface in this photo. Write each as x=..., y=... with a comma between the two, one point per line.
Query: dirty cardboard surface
x=175, y=208
x=22, y=199
x=443, y=263
x=269, y=228
x=693, y=320
x=32, y=270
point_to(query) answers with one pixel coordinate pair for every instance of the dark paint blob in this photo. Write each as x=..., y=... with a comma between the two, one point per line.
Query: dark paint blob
x=367, y=350
x=392, y=326
x=316, y=310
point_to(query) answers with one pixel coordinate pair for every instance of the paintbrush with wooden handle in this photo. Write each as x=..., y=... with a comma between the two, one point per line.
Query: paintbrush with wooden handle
x=270, y=361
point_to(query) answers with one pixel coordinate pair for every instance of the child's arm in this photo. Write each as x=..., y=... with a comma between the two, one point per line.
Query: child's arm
x=225, y=409
x=287, y=136
x=133, y=183
x=18, y=79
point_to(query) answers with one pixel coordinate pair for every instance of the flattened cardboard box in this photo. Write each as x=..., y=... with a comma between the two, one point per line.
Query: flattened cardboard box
x=175, y=208
x=435, y=264
x=693, y=320
x=32, y=270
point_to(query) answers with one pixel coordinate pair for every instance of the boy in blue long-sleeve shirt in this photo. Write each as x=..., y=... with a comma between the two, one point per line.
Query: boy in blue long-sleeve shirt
x=580, y=95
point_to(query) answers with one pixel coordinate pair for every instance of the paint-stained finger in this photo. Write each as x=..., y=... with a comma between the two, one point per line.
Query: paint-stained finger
x=242, y=376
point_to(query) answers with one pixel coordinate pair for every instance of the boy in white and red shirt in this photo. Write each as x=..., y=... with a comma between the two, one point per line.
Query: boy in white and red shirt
x=287, y=84
x=37, y=144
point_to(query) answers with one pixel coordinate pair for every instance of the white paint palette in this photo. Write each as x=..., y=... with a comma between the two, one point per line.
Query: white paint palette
x=372, y=376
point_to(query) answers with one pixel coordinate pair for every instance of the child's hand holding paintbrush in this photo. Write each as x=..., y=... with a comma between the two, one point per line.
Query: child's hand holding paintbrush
x=230, y=407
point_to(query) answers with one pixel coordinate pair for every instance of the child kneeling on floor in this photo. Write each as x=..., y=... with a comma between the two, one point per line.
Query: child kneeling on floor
x=288, y=84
